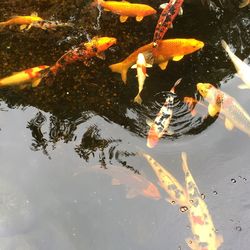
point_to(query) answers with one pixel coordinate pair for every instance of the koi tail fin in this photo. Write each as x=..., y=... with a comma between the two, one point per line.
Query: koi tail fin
x=120, y=68
x=2, y=25
x=138, y=99
x=244, y=3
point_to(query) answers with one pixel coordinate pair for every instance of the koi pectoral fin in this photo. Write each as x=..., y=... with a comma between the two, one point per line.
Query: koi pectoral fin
x=139, y=18
x=177, y=58
x=36, y=82
x=23, y=26
x=123, y=19
x=228, y=124
x=101, y=55
x=212, y=110
x=163, y=65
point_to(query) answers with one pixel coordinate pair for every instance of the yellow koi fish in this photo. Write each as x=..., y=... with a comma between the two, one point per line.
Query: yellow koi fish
x=126, y=9
x=243, y=70
x=170, y=49
x=141, y=67
x=205, y=237
x=32, y=75
x=23, y=21
x=168, y=182
x=244, y=3
x=219, y=101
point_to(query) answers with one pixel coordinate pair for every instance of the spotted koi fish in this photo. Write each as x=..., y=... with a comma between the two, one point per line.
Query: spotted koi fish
x=32, y=75
x=168, y=182
x=23, y=21
x=49, y=25
x=170, y=11
x=205, y=237
x=160, y=126
x=84, y=52
x=220, y=102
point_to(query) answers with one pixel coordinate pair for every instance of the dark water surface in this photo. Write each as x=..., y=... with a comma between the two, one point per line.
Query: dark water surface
x=51, y=134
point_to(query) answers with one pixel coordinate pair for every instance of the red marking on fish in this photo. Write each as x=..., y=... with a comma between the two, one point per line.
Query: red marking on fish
x=197, y=220
x=31, y=73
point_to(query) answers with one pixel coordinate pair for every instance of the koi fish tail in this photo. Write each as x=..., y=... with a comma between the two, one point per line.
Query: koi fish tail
x=120, y=68
x=244, y=3
x=3, y=24
x=138, y=99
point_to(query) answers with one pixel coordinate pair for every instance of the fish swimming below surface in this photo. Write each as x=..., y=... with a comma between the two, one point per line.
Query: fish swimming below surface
x=126, y=9
x=136, y=183
x=49, y=25
x=177, y=194
x=205, y=237
x=84, y=52
x=169, y=49
x=243, y=70
x=220, y=102
x=169, y=13
x=141, y=67
x=31, y=76
x=23, y=21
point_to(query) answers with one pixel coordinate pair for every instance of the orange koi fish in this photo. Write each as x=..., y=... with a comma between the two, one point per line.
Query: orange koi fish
x=205, y=237
x=141, y=67
x=84, y=52
x=136, y=183
x=126, y=9
x=170, y=11
x=23, y=21
x=244, y=3
x=168, y=182
x=49, y=25
x=160, y=126
x=32, y=75
x=220, y=102
x=170, y=49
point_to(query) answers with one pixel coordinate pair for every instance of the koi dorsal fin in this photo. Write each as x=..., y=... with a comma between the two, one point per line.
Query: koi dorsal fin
x=34, y=13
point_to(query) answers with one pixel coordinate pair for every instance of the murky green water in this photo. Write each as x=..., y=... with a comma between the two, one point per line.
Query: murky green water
x=87, y=117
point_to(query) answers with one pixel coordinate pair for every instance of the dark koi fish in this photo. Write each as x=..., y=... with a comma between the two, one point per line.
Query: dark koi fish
x=49, y=25
x=84, y=52
x=170, y=11
x=136, y=183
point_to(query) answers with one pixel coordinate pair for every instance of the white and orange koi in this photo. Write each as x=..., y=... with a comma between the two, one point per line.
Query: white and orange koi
x=141, y=67
x=205, y=237
x=243, y=70
x=23, y=21
x=31, y=76
x=160, y=126
x=125, y=9
x=220, y=102
x=168, y=182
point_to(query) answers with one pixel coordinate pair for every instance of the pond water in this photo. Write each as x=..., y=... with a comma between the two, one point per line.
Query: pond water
x=56, y=139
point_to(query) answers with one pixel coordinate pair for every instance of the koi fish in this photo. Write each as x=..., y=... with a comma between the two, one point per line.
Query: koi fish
x=244, y=3
x=219, y=101
x=168, y=182
x=205, y=237
x=84, y=52
x=126, y=9
x=136, y=183
x=141, y=67
x=160, y=126
x=243, y=70
x=170, y=49
x=46, y=25
x=32, y=75
x=23, y=21
x=170, y=11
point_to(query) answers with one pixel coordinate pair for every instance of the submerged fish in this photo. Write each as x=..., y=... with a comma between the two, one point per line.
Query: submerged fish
x=170, y=49
x=23, y=21
x=243, y=70
x=168, y=182
x=160, y=126
x=170, y=11
x=46, y=24
x=141, y=67
x=32, y=76
x=136, y=183
x=205, y=237
x=126, y=9
x=244, y=3
x=219, y=101
x=84, y=52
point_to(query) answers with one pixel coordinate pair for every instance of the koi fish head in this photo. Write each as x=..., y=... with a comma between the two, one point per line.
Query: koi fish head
x=152, y=192
x=204, y=88
x=101, y=44
x=141, y=59
x=153, y=137
x=194, y=44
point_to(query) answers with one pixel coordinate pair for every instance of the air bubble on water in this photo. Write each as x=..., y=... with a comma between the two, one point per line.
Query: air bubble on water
x=233, y=180
x=183, y=209
x=172, y=202
x=215, y=192
x=203, y=196
x=238, y=228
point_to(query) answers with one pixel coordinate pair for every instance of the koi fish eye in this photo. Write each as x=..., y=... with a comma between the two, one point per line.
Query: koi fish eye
x=94, y=49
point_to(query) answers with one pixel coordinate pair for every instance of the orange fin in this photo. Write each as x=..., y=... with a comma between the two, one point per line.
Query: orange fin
x=139, y=18
x=123, y=19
